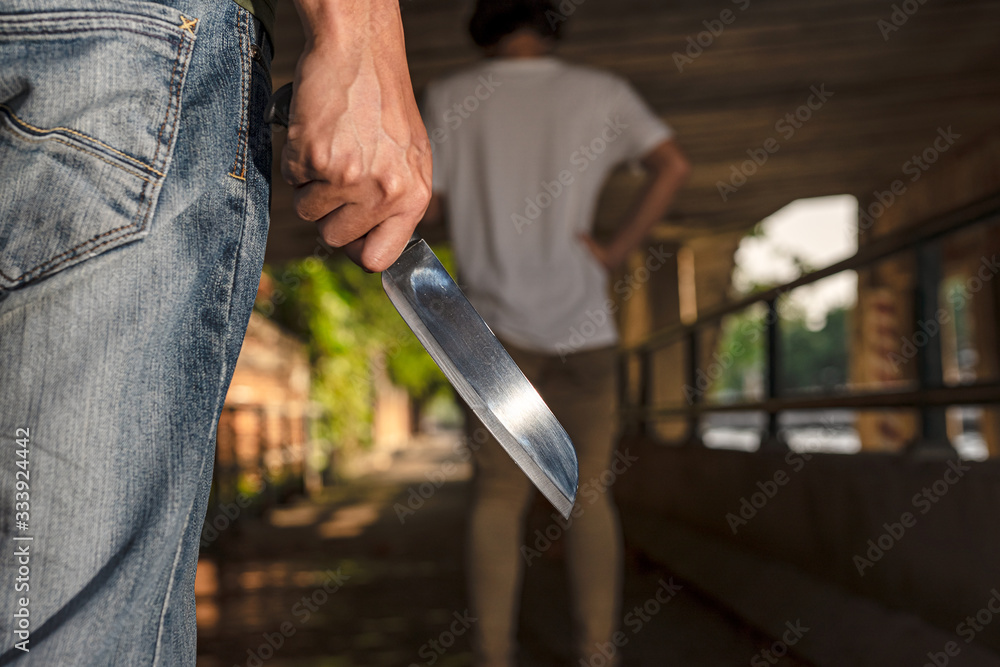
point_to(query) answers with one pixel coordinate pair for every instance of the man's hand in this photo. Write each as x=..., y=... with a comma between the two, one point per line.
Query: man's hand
x=603, y=255
x=357, y=151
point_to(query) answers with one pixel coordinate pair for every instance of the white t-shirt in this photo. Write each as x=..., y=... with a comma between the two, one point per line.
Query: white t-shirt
x=522, y=148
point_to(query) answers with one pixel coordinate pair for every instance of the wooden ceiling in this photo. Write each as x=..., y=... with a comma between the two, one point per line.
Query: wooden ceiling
x=891, y=91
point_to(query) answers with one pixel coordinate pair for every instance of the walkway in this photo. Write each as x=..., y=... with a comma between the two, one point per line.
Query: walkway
x=349, y=581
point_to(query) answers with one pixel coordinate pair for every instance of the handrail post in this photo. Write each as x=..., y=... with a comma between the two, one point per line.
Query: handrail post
x=695, y=396
x=624, y=392
x=772, y=435
x=930, y=372
x=645, y=390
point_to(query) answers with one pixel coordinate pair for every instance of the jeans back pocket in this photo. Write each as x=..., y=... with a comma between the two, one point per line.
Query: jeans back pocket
x=89, y=102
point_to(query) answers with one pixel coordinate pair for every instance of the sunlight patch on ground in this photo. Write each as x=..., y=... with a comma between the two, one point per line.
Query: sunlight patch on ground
x=297, y=516
x=350, y=521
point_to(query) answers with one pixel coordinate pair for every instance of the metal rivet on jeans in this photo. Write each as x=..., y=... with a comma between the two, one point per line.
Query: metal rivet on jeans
x=255, y=52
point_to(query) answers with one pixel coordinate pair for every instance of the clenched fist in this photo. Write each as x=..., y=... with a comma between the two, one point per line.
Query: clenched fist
x=357, y=152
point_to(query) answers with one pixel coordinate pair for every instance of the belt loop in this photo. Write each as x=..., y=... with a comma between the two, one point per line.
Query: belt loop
x=256, y=49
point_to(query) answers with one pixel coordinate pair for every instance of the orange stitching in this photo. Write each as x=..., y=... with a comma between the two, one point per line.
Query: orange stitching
x=244, y=92
x=142, y=198
x=188, y=24
x=14, y=117
x=79, y=148
x=82, y=150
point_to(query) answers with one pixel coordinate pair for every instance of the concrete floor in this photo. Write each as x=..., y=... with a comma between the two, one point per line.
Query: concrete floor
x=349, y=581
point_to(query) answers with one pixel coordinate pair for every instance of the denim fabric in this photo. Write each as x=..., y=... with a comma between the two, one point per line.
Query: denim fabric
x=134, y=184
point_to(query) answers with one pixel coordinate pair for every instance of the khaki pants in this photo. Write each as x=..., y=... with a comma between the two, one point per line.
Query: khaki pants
x=580, y=391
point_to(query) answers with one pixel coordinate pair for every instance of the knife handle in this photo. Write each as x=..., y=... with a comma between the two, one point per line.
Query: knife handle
x=279, y=105
x=415, y=239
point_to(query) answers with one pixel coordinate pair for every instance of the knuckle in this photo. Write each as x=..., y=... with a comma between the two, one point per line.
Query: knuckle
x=392, y=186
x=351, y=171
x=318, y=159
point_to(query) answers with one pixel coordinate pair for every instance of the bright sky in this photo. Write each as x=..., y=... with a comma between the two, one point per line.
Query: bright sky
x=819, y=231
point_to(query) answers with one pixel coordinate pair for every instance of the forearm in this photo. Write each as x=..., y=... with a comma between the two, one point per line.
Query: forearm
x=650, y=207
x=356, y=47
x=351, y=26
x=357, y=151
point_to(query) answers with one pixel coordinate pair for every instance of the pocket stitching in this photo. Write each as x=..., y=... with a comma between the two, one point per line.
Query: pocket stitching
x=59, y=130
x=81, y=21
x=170, y=103
x=243, y=136
x=145, y=202
x=82, y=149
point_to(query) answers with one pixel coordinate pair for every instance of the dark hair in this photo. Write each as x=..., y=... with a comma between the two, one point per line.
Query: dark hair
x=493, y=20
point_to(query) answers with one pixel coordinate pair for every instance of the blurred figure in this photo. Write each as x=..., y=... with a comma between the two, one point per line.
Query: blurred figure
x=522, y=145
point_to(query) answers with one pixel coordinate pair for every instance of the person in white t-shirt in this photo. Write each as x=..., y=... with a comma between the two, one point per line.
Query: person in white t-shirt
x=523, y=143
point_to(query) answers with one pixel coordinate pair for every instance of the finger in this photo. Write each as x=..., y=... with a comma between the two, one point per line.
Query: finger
x=293, y=167
x=304, y=161
x=347, y=223
x=353, y=250
x=316, y=201
x=383, y=245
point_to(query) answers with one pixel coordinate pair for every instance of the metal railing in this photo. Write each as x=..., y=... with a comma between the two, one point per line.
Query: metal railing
x=930, y=395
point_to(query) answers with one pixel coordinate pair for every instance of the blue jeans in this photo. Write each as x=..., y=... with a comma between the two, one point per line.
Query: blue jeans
x=134, y=182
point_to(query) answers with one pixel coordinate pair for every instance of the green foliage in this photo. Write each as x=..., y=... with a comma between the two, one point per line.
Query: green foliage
x=810, y=360
x=353, y=332
x=740, y=352
x=815, y=360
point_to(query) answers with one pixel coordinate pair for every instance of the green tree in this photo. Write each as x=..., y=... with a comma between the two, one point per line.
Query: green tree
x=351, y=328
x=809, y=360
x=814, y=360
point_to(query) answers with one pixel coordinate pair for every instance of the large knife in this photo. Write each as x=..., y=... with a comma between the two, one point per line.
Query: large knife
x=474, y=361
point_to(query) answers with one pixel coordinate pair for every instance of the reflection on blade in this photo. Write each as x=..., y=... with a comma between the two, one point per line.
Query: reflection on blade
x=482, y=372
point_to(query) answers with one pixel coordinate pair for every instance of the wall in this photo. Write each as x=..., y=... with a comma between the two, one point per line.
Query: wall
x=943, y=568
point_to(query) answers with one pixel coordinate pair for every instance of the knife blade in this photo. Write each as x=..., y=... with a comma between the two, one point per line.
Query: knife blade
x=482, y=372
x=474, y=361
